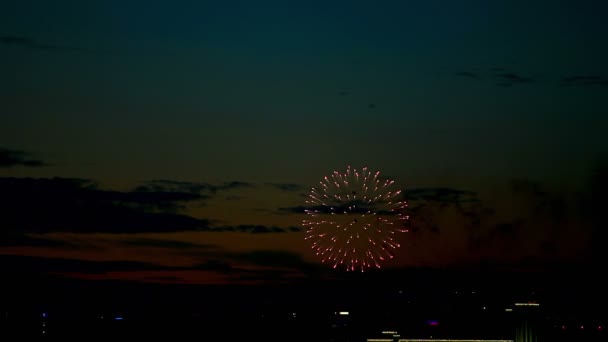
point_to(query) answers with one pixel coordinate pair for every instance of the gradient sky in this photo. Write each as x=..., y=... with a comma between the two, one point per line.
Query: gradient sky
x=195, y=128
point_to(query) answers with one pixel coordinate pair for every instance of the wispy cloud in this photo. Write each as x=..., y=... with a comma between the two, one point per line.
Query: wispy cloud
x=76, y=205
x=254, y=229
x=8, y=239
x=56, y=265
x=290, y=187
x=276, y=258
x=585, y=81
x=218, y=266
x=500, y=76
x=445, y=195
x=163, y=185
x=504, y=77
x=164, y=243
x=511, y=78
x=42, y=205
x=594, y=208
x=468, y=74
x=33, y=44
x=10, y=158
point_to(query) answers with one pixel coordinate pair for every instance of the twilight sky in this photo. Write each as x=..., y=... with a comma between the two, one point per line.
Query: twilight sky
x=174, y=141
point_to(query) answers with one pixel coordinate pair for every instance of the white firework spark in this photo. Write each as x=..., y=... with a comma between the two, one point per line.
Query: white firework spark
x=353, y=219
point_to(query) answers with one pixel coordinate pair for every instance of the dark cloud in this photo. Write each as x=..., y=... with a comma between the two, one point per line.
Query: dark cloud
x=426, y=206
x=16, y=40
x=254, y=229
x=271, y=266
x=594, y=207
x=17, y=239
x=221, y=260
x=543, y=219
x=360, y=208
x=75, y=205
x=163, y=185
x=261, y=265
x=527, y=188
x=501, y=76
x=33, y=44
x=214, y=265
x=304, y=209
x=231, y=185
x=287, y=186
x=276, y=259
x=511, y=78
x=269, y=276
x=504, y=236
x=215, y=260
x=427, y=209
x=166, y=279
x=507, y=78
x=9, y=158
x=552, y=207
x=431, y=210
x=165, y=201
x=172, y=244
x=444, y=195
x=467, y=74
x=497, y=69
x=40, y=205
x=19, y=264
x=199, y=191
x=584, y=80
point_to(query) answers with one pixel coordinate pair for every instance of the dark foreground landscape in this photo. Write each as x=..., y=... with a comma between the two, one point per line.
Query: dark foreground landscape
x=422, y=305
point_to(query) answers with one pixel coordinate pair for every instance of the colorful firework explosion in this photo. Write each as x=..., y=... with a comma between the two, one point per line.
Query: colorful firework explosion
x=353, y=219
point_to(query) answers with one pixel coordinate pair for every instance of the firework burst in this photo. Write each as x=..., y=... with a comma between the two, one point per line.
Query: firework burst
x=353, y=219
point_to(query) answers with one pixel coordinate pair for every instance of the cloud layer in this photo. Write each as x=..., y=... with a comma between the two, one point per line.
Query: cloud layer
x=10, y=158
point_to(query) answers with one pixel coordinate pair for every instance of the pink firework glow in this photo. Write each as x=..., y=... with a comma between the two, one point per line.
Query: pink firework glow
x=354, y=218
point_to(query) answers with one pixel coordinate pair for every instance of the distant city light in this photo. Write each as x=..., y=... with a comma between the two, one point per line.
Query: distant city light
x=527, y=304
x=44, y=315
x=389, y=332
x=508, y=309
x=432, y=322
x=118, y=318
x=343, y=313
x=449, y=340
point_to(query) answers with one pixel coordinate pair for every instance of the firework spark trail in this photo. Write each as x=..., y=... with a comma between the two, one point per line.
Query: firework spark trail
x=353, y=219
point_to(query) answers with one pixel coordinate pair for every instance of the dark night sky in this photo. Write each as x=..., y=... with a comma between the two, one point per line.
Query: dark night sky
x=173, y=141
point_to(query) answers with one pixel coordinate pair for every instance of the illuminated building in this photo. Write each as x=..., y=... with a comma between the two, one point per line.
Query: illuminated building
x=340, y=326
x=527, y=322
x=430, y=340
